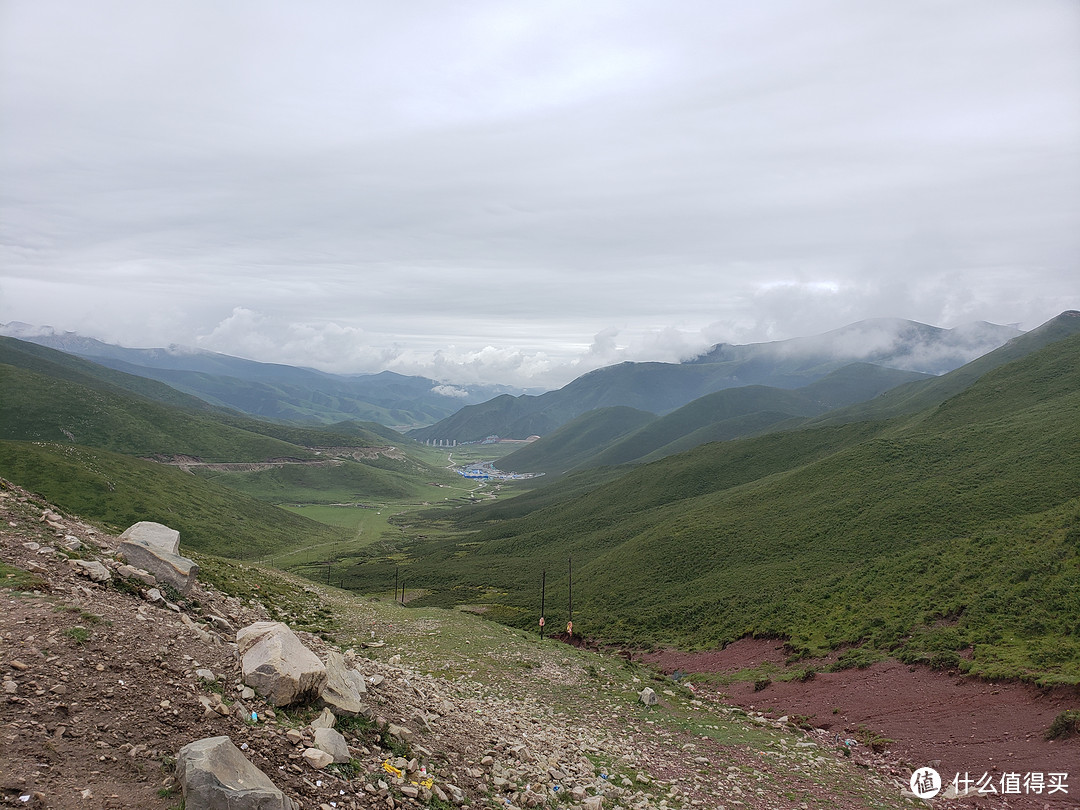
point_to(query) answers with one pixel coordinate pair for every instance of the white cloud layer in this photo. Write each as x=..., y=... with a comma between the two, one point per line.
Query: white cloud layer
x=521, y=192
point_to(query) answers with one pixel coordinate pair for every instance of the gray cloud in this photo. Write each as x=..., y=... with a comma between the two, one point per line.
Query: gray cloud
x=479, y=190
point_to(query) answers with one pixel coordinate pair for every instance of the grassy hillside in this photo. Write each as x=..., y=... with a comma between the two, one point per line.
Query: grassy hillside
x=39, y=407
x=750, y=407
x=117, y=491
x=49, y=392
x=340, y=480
x=951, y=535
x=74, y=427
x=925, y=394
x=578, y=441
x=62, y=366
x=318, y=399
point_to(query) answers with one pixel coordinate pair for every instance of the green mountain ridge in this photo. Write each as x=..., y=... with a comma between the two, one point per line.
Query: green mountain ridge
x=273, y=390
x=663, y=387
x=48, y=392
x=723, y=415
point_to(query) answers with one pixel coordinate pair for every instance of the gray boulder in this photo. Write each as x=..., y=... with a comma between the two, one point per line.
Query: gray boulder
x=131, y=572
x=214, y=775
x=91, y=568
x=326, y=719
x=333, y=743
x=344, y=686
x=277, y=665
x=648, y=696
x=155, y=548
x=317, y=758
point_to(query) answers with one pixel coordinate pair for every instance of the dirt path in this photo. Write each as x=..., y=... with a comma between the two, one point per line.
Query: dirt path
x=959, y=725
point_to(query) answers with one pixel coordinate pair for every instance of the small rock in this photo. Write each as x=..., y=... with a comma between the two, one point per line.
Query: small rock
x=91, y=568
x=457, y=795
x=326, y=719
x=221, y=624
x=317, y=758
x=131, y=572
x=400, y=732
x=648, y=696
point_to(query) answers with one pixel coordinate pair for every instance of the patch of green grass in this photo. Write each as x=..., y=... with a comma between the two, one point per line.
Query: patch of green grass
x=857, y=658
x=125, y=585
x=1066, y=724
x=78, y=634
x=286, y=598
x=82, y=614
x=17, y=579
x=874, y=741
x=346, y=770
x=396, y=746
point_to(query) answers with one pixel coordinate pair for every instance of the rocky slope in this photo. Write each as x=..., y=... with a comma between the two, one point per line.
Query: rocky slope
x=101, y=688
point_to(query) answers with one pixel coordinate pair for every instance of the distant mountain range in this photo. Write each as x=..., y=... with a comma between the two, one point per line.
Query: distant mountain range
x=271, y=390
x=621, y=435
x=660, y=388
x=429, y=410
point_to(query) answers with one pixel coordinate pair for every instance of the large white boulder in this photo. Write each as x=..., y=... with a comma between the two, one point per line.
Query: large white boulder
x=155, y=548
x=215, y=775
x=277, y=665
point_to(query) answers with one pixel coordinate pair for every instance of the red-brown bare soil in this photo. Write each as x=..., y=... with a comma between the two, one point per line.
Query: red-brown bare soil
x=956, y=724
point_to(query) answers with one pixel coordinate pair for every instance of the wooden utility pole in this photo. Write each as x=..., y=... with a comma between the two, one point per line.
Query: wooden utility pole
x=570, y=574
x=543, y=594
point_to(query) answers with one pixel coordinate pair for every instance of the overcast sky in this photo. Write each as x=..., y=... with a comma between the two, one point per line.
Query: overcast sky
x=522, y=191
